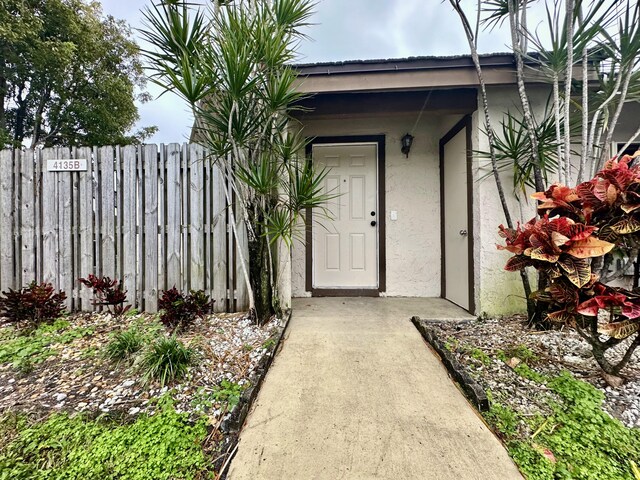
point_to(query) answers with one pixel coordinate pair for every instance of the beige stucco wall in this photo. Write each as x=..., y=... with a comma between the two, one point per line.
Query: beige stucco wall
x=497, y=291
x=412, y=189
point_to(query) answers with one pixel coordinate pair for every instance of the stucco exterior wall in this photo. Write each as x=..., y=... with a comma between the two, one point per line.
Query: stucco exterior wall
x=412, y=190
x=497, y=291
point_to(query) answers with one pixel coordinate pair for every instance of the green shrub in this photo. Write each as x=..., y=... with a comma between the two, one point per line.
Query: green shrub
x=503, y=419
x=480, y=355
x=522, y=352
x=32, y=305
x=531, y=462
x=588, y=443
x=525, y=371
x=160, y=447
x=124, y=344
x=166, y=360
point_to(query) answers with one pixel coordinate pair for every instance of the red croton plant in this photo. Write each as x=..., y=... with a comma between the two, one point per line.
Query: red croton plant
x=574, y=237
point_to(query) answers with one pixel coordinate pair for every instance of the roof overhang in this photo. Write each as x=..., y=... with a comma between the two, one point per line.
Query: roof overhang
x=418, y=73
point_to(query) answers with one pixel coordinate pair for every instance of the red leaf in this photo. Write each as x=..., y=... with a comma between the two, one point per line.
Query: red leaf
x=580, y=231
x=589, y=308
x=517, y=262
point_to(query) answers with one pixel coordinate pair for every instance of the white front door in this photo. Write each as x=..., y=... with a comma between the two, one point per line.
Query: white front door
x=456, y=219
x=345, y=247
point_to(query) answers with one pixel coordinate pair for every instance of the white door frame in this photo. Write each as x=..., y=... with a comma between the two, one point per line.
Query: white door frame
x=464, y=124
x=379, y=140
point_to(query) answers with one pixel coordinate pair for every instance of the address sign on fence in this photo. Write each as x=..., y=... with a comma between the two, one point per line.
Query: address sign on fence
x=67, y=165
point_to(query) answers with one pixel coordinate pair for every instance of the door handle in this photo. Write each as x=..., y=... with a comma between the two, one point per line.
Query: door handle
x=373, y=223
x=463, y=233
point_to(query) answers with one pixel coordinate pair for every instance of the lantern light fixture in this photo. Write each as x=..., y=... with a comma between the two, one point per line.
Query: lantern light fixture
x=406, y=142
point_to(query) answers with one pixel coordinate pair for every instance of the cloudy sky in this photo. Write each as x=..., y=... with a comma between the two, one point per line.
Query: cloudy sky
x=342, y=30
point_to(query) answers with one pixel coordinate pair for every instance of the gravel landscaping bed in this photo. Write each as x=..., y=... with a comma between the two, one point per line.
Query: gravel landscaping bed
x=491, y=349
x=72, y=374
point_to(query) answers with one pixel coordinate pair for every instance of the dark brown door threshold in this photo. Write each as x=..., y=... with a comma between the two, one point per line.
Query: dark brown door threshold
x=347, y=292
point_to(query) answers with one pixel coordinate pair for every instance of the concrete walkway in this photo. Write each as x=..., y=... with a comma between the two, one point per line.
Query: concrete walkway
x=355, y=393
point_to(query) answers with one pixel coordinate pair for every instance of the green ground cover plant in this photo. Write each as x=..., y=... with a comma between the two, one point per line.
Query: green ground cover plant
x=25, y=351
x=162, y=446
x=578, y=440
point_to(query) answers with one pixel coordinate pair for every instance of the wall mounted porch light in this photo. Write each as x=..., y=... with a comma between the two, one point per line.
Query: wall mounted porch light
x=406, y=142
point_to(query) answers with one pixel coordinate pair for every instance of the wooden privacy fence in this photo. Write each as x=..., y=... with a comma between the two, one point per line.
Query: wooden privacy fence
x=152, y=217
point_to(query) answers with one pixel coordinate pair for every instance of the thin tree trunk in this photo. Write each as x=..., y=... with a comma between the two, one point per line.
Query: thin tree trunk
x=485, y=108
x=562, y=178
x=631, y=140
x=243, y=261
x=490, y=134
x=37, y=121
x=569, y=5
x=524, y=100
x=585, y=108
x=614, y=121
x=3, y=95
x=593, y=143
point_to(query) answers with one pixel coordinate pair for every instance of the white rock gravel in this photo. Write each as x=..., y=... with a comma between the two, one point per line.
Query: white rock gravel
x=557, y=351
x=79, y=378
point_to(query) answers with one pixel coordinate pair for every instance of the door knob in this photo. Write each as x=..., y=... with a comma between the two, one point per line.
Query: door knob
x=373, y=214
x=463, y=233
x=373, y=223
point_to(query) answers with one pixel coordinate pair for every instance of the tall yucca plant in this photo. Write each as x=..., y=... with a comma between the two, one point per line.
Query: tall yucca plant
x=230, y=62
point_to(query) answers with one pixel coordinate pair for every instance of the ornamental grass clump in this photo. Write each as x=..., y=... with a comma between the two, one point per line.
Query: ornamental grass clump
x=165, y=360
x=125, y=344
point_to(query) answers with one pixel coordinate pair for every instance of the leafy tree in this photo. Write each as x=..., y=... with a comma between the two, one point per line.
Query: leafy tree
x=231, y=64
x=68, y=75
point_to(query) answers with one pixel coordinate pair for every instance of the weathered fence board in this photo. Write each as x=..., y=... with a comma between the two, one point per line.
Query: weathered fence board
x=174, y=216
x=85, y=224
x=218, y=204
x=50, y=225
x=6, y=220
x=65, y=229
x=107, y=209
x=150, y=217
x=196, y=220
x=27, y=217
x=129, y=243
x=151, y=227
